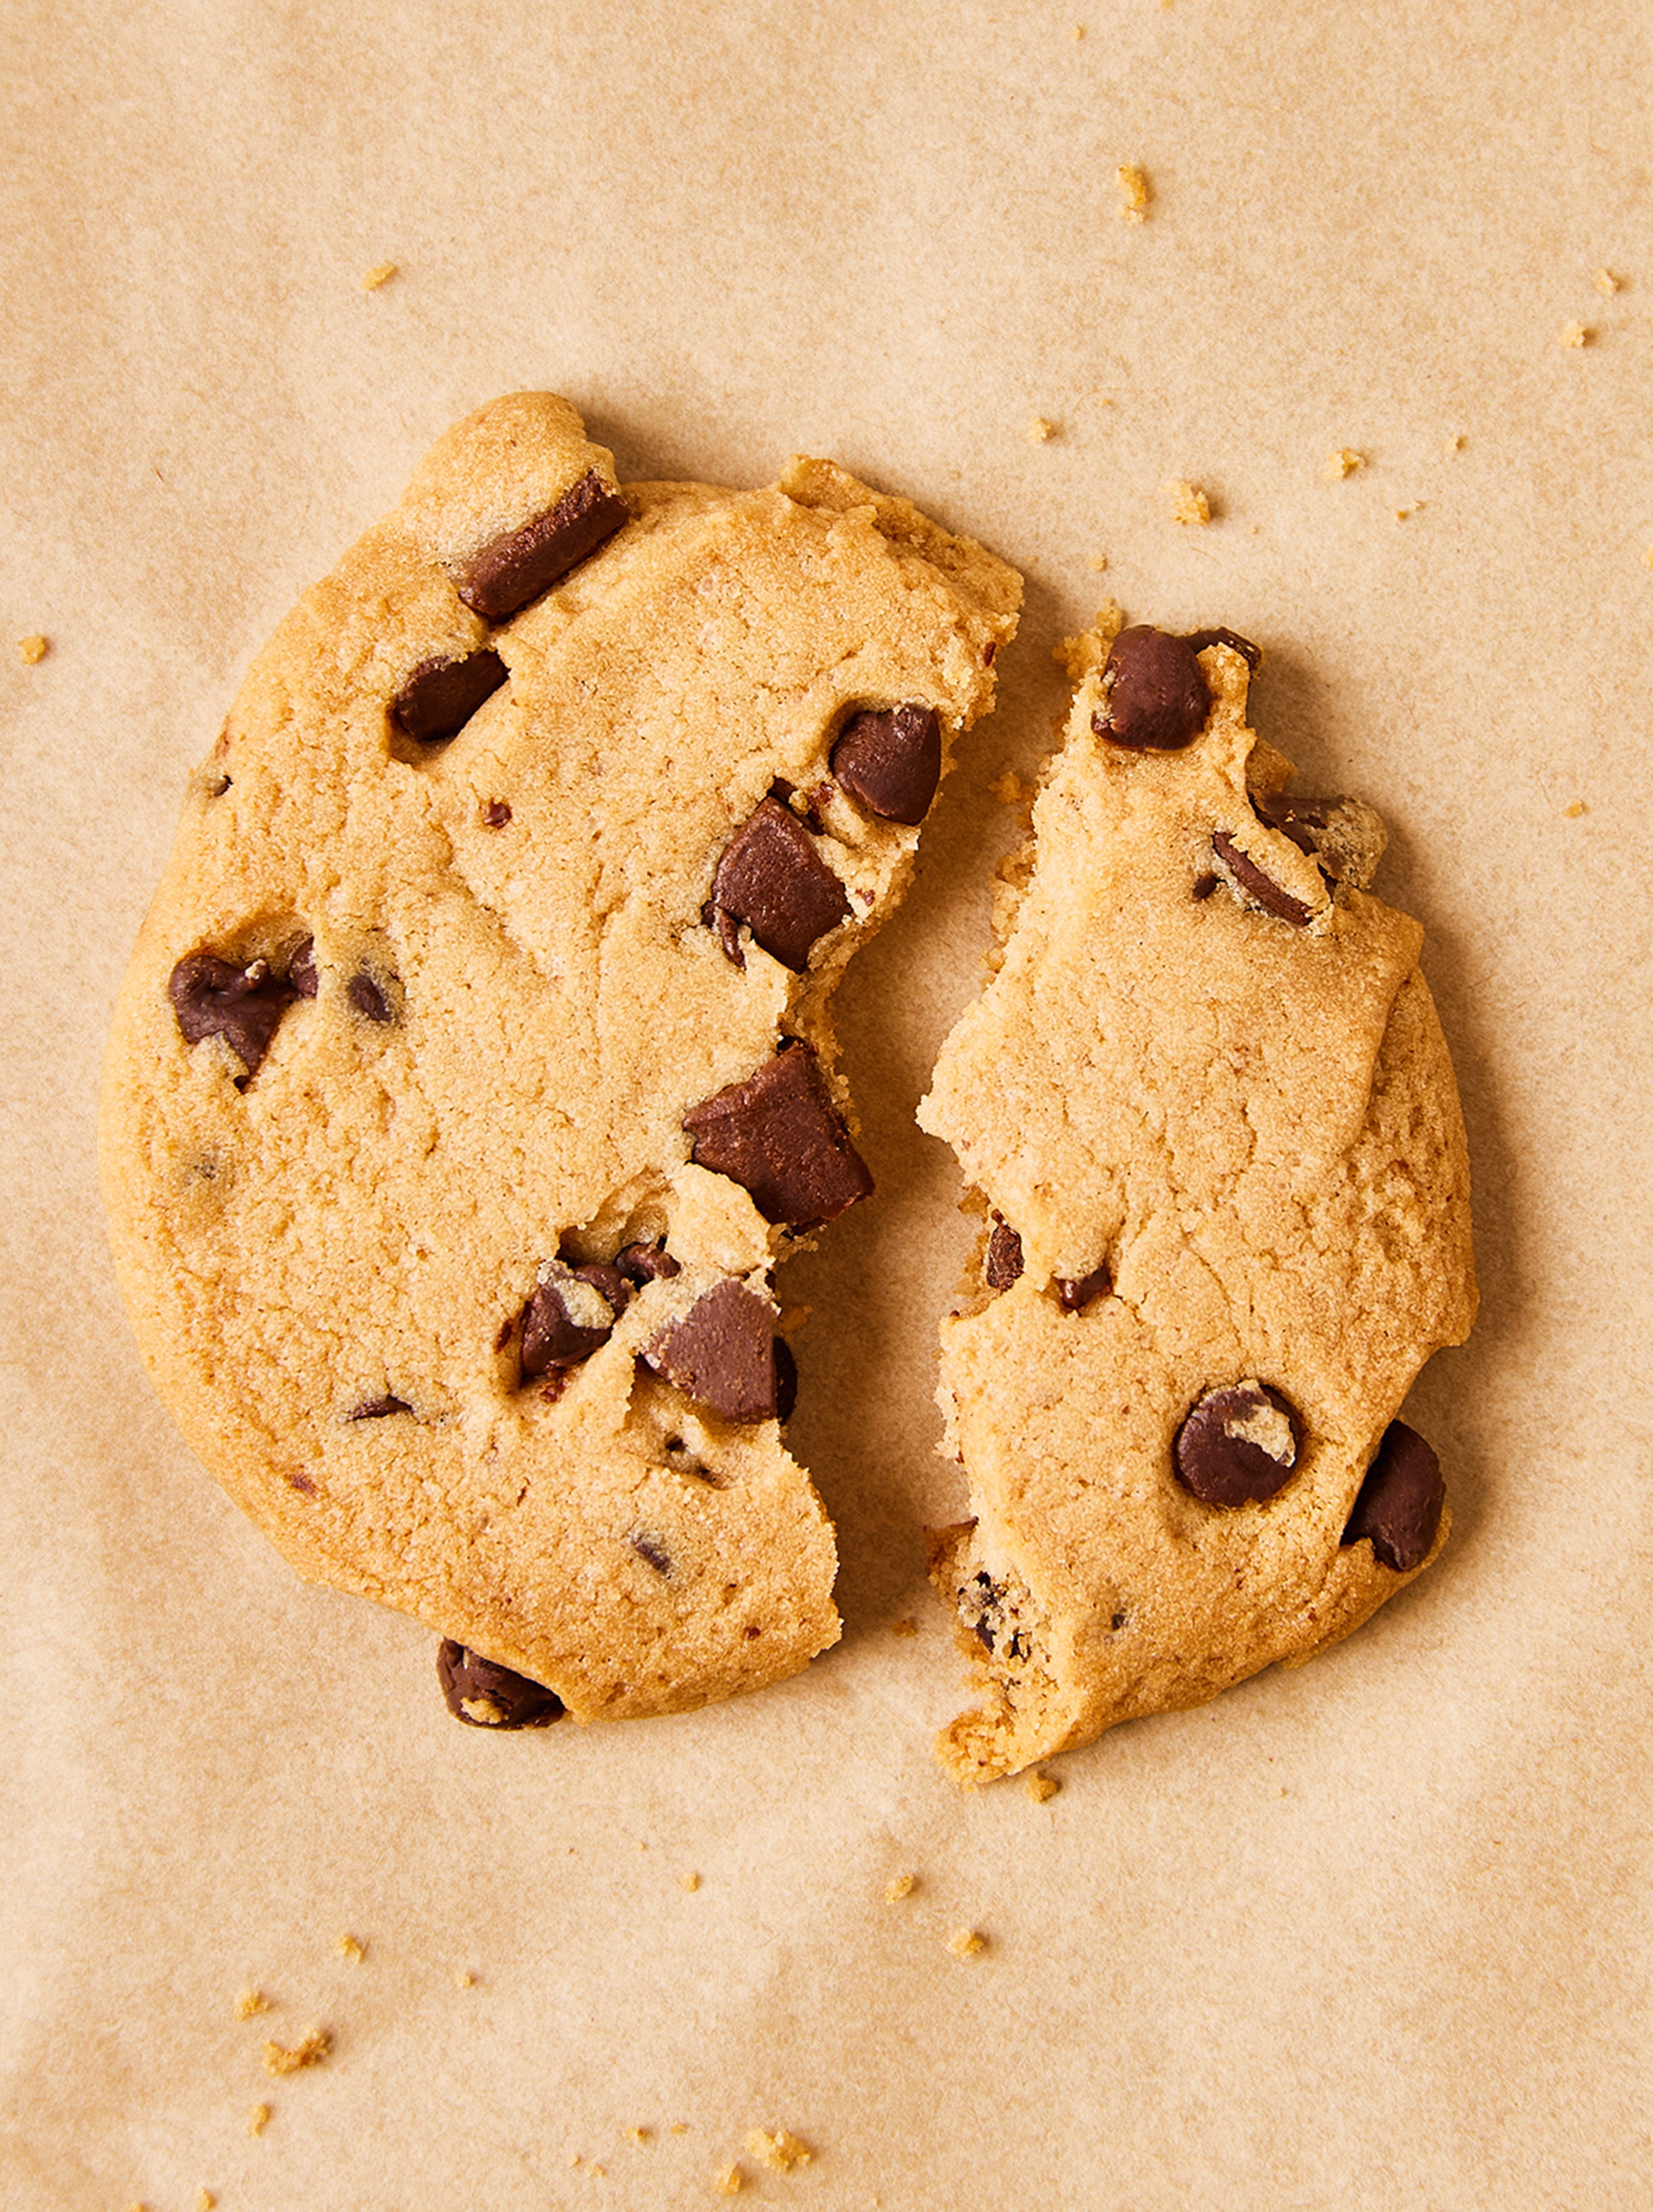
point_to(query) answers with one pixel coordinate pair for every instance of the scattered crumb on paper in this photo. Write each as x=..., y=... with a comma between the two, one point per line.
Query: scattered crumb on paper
x=1041, y=1788
x=381, y=273
x=1576, y=334
x=1188, y=502
x=464, y=1979
x=1097, y=563
x=1079, y=655
x=1133, y=192
x=1575, y=809
x=1343, y=462
x=899, y=1886
x=779, y=2151
x=278, y=2059
x=1040, y=430
x=966, y=1942
x=258, y=2119
x=251, y=2002
x=690, y=1882
x=1607, y=283
x=640, y=2134
x=32, y=648
x=729, y=2182
x=349, y=1947
x=204, y=2201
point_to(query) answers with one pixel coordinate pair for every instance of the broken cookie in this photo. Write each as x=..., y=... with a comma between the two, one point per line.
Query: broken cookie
x=1207, y=1112
x=474, y=1066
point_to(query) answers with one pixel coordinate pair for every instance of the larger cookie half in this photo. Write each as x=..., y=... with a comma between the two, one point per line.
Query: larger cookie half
x=474, y=1065
x=1207, y=1099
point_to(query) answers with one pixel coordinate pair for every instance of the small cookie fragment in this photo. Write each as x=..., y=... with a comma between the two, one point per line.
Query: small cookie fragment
x=1041, y=1788
x=779, y=2151
x=899, y=1886
x=379, y=274
x=1187, y=503
x=351, y=1947
x=729, y=2181
x=258, y=2119
x=966, y=1942
x=1607, y=283
x=1576, y=335
x=315, y=2046
x=249, y=2003
x=1040, y=430
x=1341, y=462
x=33, y=649
x=1133, y=192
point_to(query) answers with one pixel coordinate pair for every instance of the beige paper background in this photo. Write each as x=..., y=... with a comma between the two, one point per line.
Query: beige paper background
x=1373, y=1934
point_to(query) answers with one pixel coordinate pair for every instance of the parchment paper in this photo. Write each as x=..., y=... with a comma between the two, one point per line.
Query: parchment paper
x=1371, y=1935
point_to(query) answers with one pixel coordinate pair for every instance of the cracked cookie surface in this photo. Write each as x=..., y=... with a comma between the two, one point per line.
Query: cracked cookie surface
x=475, y=1063
x=1206, y=1103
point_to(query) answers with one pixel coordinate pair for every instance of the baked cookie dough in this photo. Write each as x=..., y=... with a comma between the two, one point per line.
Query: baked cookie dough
x=1209, y=1112
x=474, y=1066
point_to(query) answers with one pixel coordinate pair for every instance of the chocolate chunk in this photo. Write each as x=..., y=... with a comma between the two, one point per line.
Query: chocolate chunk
x=563, y=1322
x=1238, y=1445
x=368, y=998
x=1155, y=697
x=496, y=814
x=891, y=762
x=778, y=1135
x=377, y=1408
x=301, y=969
x=1399, y=1506
x=516, y=567
x=486, y=1695
x=1251, y=879
x=1197, y=640
x=652, y=1552
x=1003, y=1265
x=771, y=877
x=1204, y=885
x=1074, y=1292
x=440, y=696
x=215, y=997
x=1344, y=837
x=723, y=1353
x=646, y=1263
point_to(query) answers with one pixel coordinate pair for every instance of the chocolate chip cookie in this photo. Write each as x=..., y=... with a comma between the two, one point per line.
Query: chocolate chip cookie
x=474, y=1066
x=1208, y=1111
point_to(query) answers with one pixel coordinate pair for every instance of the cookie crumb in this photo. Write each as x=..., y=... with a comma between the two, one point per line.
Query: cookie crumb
x=381, y=273
x=1040, y=430
x=32, y=648
x=690, y=1882
x=907, y=1626
x=1097, y=563
x=1079, y=655
x=1647, y=558
x=350, y=1947
x=251, y=2002
x=1133, y=193
x=278, y=2059
x=1607, y=283
x=640, y=2134
x=1576, y=334
x=779, y=2151
x=1575, y=810
x=966, y=1942
x=729, y=2182
x=1188, y=502
x=679, y=2127
x=1341, y=463
x=1079, y=33
x=204, y=2201
x=464, y=1979
x=899, y=1886
x=1455, y=443
x=258, y=2119
x=1041, y=1788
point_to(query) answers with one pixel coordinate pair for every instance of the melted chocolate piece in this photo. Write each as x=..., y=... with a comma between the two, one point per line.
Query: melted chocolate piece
x=368, y=998
x=1074, y=1292
x=771, y=877
x=891, y=762
x=485, y=1695
x=215, y=997
x=1399, y=1506
x=722, y=1353
x=1155, y=696
x=376, y=1409
x=1266, y=893
x=1220, y=1462
x=778, y=1135
x=301, y=969
x=1003, y=1263
x=440, y=696
x=516, y=567
x=652, y=1552
x=552, y=1338
x=1197, y=640
x=496, y=814
x=646, y=1263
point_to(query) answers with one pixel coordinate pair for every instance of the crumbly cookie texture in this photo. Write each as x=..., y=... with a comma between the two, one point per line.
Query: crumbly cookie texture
x=475, y=1064
x=1206, y=1110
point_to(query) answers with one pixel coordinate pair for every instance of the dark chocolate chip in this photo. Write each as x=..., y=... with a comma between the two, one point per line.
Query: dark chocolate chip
x=368, y=998
x=1251, y=655
x=1256, y=886
x=1399, y=1506
x=778, y=1135
x=646, y=1263
x=302, y=1482
x=440, y=696
x=488, y=1695
x=1239, y=1445
x=1117, y=1622
x=377, y=1408
x=1003, y=1265
x=723, y=1353
x=215, y=997
x=771, y=877
x=891, y=762
x=1344, y=837
x=552, y=1338
x=1204, y=885
x=1074, y=1292
x=516, y=567
x=301, y=969
x=652, y=1552
x=1154, y=695
x=496, y=814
